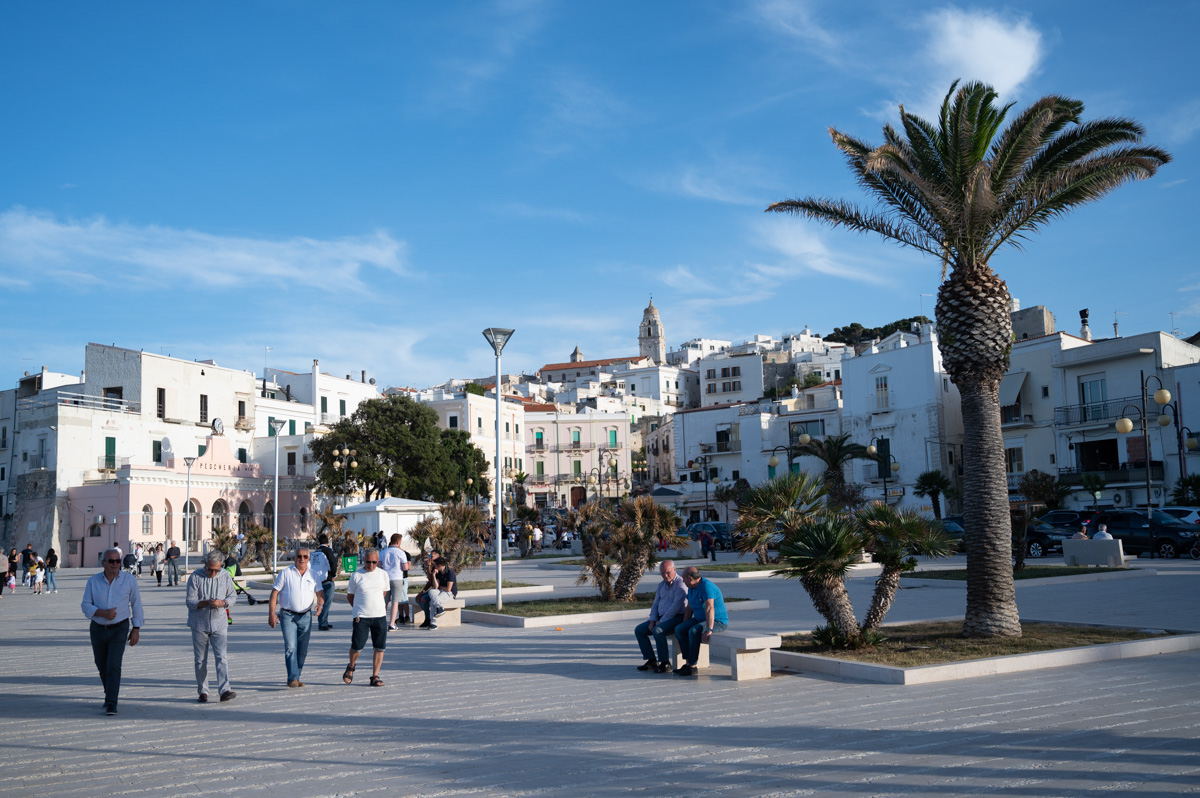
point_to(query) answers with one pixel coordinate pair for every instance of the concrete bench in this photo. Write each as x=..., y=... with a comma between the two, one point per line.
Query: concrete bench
x=451, y=615
x=1108, y=553
x=749, y=654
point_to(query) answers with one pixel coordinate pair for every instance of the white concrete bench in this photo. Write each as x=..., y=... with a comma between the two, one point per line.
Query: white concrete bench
x=451, y=615
x=1108, y=553
x=749, y=654
x=673, y=644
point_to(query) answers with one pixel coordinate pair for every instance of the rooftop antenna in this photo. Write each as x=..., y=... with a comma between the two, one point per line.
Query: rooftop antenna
x=266, y=354
x=1174, y=329
x=1116, y=321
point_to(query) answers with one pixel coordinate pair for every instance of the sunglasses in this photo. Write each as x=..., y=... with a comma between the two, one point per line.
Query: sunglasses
x=118, y=562
x=372, y=562
x=305, y=557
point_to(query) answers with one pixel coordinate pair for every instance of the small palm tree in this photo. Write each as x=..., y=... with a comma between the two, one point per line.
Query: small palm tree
x=794, y=496
x=895, y=537
x=593, y=523
x=1093, y=484
x=959, y=189
x=933, y=484
x=835, y=451
x=259, y=540
x=819, y=551
x=642, y=522
x=1187, y=491
x=459, y=535
x=223, y=539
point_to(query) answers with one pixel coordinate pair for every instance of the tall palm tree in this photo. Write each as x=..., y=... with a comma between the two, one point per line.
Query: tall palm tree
x=959, y=189
x=895, y=537
x=794, y=497
x=933, y=484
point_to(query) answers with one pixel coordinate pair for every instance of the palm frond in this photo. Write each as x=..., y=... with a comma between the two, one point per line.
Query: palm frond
x=842, y=214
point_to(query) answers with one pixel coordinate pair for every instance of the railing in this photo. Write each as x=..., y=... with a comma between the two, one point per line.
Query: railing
x=1107, y=410
x=1014, y=481
x=539, y=446
x=63, y=398
x=880, y=402
x=36, y=461
x=576, y=446
x=111, y=463
x=726, y=447
x=1114, y=476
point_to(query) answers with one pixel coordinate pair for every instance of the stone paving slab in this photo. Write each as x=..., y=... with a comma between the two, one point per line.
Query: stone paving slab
x=483, y=711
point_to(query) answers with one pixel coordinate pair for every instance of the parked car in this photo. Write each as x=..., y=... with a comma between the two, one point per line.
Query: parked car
x=954, y=531
x=1164, y=534
x=1042, y=539
x=721, y=533
x=1188, y=515
x=1069, y=519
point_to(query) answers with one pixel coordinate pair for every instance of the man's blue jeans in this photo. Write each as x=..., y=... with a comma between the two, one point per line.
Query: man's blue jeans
x=323, y=618
x=660, y=631
x=689, y=633
x=296, y=629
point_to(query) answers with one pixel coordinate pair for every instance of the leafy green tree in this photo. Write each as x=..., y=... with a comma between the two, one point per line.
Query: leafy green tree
x=959, y=189
x=1092, y=483
x=1042, y=488
x=812, y=379
x=475, y=388
x=933, y=484
x=1187, y=491
x=468, y=462
x=857, y=334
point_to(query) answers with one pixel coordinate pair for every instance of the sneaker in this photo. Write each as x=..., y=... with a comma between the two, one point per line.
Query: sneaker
x=432, y=626
x=686, y=670
x=228, y=695
x=295, y=683
x=392, y=628
x=438, y=611
x=111, y=709
x=662, y=667
x=425, y=625
x=648, y=665
x=203, y=699
x=325, y=628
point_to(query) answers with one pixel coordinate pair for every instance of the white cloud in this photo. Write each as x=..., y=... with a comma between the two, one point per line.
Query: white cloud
x=805, y=252
x=97, y=251
x=574, y=109
x=730, y=179
x=681, y=278
x=794, y=19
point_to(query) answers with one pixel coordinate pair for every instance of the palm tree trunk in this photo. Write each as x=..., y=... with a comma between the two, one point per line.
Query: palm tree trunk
x=633, y=567
x=881, y=601
x=830, y=598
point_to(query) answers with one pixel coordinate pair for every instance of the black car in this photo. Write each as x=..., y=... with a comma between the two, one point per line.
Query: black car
x=721, y=534
x=955, y=532
x=1069, y=519
x=1042, y=539
x=1165, y=535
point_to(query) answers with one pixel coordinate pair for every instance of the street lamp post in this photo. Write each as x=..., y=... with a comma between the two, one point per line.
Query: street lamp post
x=1124, y=426
x=347, y=462
x=803, y=439
x=187, y=514
x=498, y=337
x=470, y=482
x=891, y=464
x=276, y=427
x=1188, y=442
x=608, y=461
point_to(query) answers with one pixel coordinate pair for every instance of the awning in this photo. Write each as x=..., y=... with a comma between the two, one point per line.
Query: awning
x=1010, y=387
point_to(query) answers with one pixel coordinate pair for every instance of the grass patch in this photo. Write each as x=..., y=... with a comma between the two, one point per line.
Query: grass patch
x=1029, y=572
x=912, y=645
x=740, y=567
x=574, y=606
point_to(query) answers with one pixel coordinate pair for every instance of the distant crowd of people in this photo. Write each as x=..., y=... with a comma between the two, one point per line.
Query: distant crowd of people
x=37, y=573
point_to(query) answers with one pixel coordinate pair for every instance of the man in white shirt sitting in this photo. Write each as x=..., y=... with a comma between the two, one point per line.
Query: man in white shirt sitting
x=367, y=594
x=112, y=602
x=1102, y=533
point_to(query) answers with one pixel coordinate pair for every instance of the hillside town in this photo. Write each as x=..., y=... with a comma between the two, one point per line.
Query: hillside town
x=140, y=447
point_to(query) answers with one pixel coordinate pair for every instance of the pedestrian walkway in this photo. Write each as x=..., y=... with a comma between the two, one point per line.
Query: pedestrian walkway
x=486, y=711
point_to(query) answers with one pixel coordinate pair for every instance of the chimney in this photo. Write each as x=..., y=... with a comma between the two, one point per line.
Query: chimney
x=1085, y=332
x=364, y=375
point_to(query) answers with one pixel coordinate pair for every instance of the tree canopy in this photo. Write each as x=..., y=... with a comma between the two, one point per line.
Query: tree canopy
x=855, y=333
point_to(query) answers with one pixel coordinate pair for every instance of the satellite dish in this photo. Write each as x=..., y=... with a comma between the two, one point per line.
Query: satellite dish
x=372, y=380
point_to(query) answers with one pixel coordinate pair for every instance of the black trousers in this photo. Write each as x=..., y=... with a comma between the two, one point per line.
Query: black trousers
x=108, y=647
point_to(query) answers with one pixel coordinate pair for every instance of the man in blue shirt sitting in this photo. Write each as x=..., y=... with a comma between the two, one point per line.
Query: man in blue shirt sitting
x=665, y=614
x=704, y=615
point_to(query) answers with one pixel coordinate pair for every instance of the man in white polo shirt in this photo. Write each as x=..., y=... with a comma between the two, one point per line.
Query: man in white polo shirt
x=394, y=562
x=297, y=599
x=367, y=594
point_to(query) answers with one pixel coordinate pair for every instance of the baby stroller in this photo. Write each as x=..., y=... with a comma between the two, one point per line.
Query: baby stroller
x=129, y=563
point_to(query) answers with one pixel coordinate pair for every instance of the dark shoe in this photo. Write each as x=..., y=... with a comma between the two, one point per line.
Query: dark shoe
x=432, y=626
x=686, y=670
x=648, y=665
x=438, y=611
x=376, y=681
x=295, y=683
x=110, y=710
x=425, y=625
x=203, y=699
x=228, y=695
x=325, y=628
x=662, y=667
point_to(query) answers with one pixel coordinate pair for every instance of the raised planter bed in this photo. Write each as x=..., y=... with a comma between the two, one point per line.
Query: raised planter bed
x=517, y=621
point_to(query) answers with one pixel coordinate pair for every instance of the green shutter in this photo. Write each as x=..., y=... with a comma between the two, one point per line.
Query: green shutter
x=324, y=404
x=291, y=426
x=270, y=426
x=612, y=437
x=156, y=451
x=342, y=406
x=203, y=449
x=110, y=452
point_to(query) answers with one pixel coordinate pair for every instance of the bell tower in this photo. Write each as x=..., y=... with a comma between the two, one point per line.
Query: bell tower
x=652, y=342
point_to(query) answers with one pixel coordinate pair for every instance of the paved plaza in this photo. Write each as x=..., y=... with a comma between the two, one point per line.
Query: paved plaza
x=479, y=710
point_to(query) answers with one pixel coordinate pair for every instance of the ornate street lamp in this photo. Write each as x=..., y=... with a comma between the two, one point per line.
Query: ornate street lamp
x=891, y=464
x=345, y=464
x=1124, y=426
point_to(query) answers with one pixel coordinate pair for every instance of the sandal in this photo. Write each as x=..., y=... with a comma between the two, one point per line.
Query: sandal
x=376, y=681
x=348, y=674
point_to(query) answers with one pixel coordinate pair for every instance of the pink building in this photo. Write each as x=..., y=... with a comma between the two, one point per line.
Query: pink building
x=145, y=503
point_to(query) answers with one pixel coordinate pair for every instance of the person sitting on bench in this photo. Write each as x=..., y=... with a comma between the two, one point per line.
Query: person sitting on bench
x=705, y=614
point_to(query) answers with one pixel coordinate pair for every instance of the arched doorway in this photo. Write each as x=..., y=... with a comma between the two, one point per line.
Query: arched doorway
x=269, y=515
x=168, y=533
x=245, y=517
x=147, y=521
x=191, y=515
x=220, y=515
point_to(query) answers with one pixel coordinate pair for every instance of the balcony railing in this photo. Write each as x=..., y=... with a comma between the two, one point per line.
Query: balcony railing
x=111, y=463
x=727, y=447
x=64, y=398
x=36, y=461
x=1093, y=412
x=1114, y=476
x=576, y=446
x=1014, y=481
x=880, y=402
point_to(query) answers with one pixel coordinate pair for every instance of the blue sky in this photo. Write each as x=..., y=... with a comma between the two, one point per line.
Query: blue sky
x=373, y=183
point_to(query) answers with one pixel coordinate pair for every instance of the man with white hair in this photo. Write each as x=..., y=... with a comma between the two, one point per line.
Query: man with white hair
x=112, y=603
x=210, y=590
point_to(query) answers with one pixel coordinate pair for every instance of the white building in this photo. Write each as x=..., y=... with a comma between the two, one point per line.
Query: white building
x=577, y=456
x=730, y=379
x=690, y=351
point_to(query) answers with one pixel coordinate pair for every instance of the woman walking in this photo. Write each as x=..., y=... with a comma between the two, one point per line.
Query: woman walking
x=51, y=567
x=160, y=562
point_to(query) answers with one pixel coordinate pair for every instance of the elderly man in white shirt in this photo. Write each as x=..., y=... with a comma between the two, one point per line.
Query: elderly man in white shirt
x=210, y=591
x=367, y=593
x=112, y=603
x=294, y=600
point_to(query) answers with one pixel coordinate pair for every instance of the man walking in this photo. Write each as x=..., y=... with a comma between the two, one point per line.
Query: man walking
x=367, y=594
x=324, y=568
x=210, y=591
x=112, y=603
x=295, y=596
x=173, y=564
x=394, y=562
x=442, y=585
x=665, y=614
x=704, y=615
x=28, y=558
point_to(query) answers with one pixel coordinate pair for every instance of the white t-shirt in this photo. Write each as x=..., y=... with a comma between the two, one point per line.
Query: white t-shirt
x=368, y=589
x=392, y=561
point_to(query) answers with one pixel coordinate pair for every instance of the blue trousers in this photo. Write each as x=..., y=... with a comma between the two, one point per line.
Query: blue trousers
x=660, y=631
x=323, y=618
x=296, y=630
x=108, y=649
x=689, y=632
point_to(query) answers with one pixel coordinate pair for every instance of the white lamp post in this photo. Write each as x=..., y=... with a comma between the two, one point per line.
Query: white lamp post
x=498, y=337
x=277, y=425
x=187, y=514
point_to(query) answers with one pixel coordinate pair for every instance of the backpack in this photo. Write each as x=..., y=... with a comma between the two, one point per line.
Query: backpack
x=333, y=561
